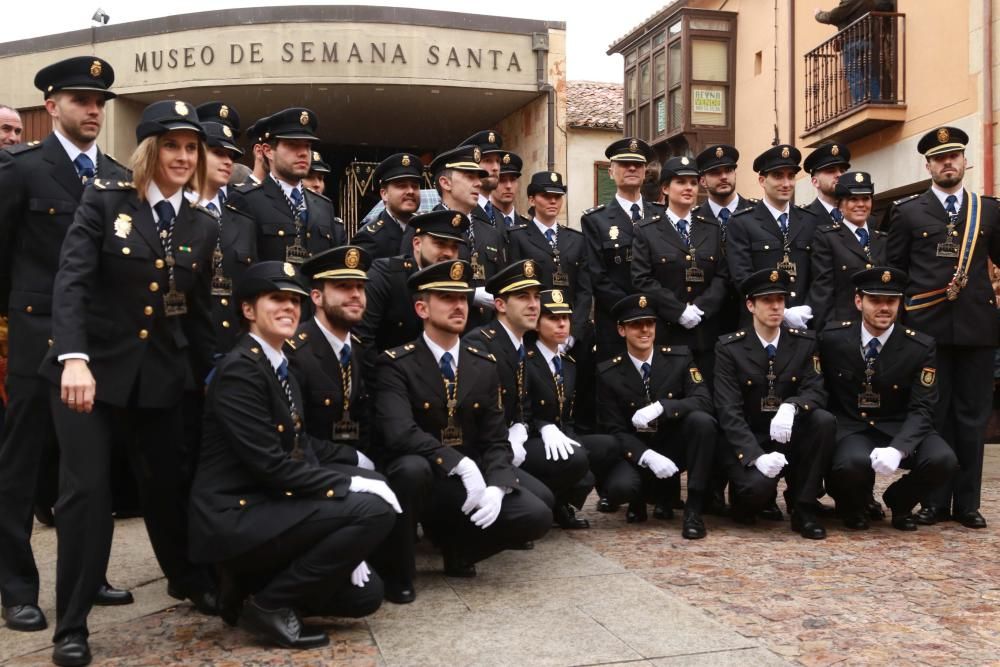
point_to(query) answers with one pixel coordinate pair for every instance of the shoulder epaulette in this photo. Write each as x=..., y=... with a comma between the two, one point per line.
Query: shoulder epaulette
x=401, y=351
x=839, y=324
x=518, y=226
x=523, y=217
x=531, y=354
x=374, y=227
x=233, y=209
x=316, y=194
x=113, y=160
x=594, y=208
x=355, y=339
x=652, y=221
x=609, y=363
x=571, y=359
x=829, y=227
x=655, y=218
x=804, y=208
x=298, y=341
x=674, y=350
x=399, y=263
x=487, y=333
x=905, y=199
x=706, y=221
x=248, y=186
x=802, y=333
x=102, y=184
x=16, y=149
x=252, y=352
x=925, y=339
x=743, y=210
x=879, y=232
x=567, y=228
x=725, y=339
x=485, y=354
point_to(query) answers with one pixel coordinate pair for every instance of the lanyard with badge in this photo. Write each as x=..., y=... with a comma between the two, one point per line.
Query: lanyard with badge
x=221, y=285
x=346, y=428
x=559, y=277
x=451, y=434
x=174, y=301
x=296, y=253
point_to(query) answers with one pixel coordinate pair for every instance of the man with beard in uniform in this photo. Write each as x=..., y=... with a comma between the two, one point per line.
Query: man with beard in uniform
x=502, y=198
x=293, y=222
x=773, y=234
x=943, y=239
x=42, y=184
x=398, y=177
x=255, y=138
x=826, y=165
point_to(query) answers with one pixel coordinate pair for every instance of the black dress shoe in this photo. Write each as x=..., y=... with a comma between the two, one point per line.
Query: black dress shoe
x=566, y=518
x=109, y=596
x=636, y=512
x=44, y=515
x=856, y=520
x=904, y=522
x=401, y=593
x=874, y=509
x=281, y=626
x=771, y=513
x=971, y=520
x=663, y=512
x=605, y=507
x=694, y=527
x=930, y=515
x=24, y=618
x=457, y=566
x=807, y=526
x=71, y=651
x=205, y=601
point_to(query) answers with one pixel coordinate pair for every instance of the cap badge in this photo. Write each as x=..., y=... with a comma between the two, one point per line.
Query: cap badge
x=859, y=177
x=304, y=118
x=405, y=161
x=943, y=135
x=96, y=69
x=506, y=158
x=289, y=270
x=226, y=131
x=557, y=296
x=477, y=154
x=685, y=161
x=719, y=152
x=835, y=151
x=643, y=302
x=554, y=176
x=785, y=153
x=180, y=109
x=773, y=277
x=457, y=271
x=223, y=111
x=633, y=145
x=886, y=276
x=491, y=138
x=457, y=220
x=529, y=269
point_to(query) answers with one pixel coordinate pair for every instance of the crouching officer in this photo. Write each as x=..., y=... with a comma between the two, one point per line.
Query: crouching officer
x=769, y=398
x=654, y=399
x=883, y=389
x=286, y=529
x=439, y=399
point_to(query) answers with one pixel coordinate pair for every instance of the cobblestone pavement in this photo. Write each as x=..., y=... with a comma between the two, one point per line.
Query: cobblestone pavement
x=616, y=594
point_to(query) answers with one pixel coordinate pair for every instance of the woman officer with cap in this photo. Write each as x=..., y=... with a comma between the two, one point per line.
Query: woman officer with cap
x=131, y=301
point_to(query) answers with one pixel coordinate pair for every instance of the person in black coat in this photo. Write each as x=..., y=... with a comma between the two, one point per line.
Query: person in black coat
x=287, y=522
x=398, y=178
x=770, y=400
x=882, y=383
x=826, y=165
x=131, y=328
x=42, y=184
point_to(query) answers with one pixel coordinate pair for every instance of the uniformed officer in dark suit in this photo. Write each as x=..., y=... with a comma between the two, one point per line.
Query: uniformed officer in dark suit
x=389, y=320
x=773, y=234
x=439, y=399
x=292, y=222
x=288, y=525
x=679, y=263
x=491, y=152
x=215, y=118
x=841, y=249
x=882, y=383
x=654, y=400
x=502, y=198
x=559, y=463
x=255, y=141
x=770, y=400
x=943, y=239
x=398, y=177
x=608, y=230
x=826, y=165
x=130, y=310
x=318, y=171
x=42, y=184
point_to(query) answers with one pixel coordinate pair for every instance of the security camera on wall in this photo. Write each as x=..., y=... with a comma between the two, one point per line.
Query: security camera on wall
x=100, y=16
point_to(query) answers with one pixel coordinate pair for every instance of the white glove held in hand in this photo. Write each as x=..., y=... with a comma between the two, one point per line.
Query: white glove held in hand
x=661, y=466
x=377, y=487
x=797, y=317
x=558, y=447
x=361, y=575
x=885, y=460
x=489, y=507
x=472, y=480
x=365, y=462
x=483, y=298
x=781, y=424
x=643, y=416
x=771, y=464
x=517, y=435
x=691, y=317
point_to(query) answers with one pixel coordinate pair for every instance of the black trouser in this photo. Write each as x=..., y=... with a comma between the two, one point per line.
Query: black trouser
x=809, y=453
x=851, y=477
x=524, y=516
x=308, y=567
x=965, y=385
x=410, y=477
x=83, y=511
x=28, y=437
x=569, y=479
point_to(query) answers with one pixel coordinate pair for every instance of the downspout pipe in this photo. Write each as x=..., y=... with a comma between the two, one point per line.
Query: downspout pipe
x=540, y=45
x=793, y=128
x=988, y=178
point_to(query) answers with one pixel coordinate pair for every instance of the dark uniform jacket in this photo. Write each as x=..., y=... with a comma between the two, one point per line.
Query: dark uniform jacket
x=544, y=395
x=411, y=410
x=318, y=371
x=267, y=205
x=905, y=380
x=704, y=209
x=493, y=338
x=817, y=208
x=917, y=225
x=527, y=242
x=381, y=237
x=733, y=306
x=674, y=381
x=754, y=242
x=238, y=244
x=39, y=194
x=836, y=256
x=659, y=264
x=741, y=382
x=389, y=319
x=608, y=231
x=248, y=488
x=108, y=298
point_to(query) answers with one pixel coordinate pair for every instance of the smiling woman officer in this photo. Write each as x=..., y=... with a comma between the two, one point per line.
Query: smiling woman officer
x=131, y=301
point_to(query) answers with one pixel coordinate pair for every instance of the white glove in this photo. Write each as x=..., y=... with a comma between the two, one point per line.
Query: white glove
x=483, y=298
x=781, y=424
x=361, y=575
x=661, y=466
x=377, y=487
x=691, y=317
x=365, y=462
x=797, y=317
x=517, y=435
x=558, y=447
x=885, y=460
x=643, y=416
x=472, y=480
x=489, y=507
x=771, y=464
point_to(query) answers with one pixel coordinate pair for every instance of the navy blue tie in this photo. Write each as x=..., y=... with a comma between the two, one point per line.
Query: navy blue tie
x=951, y=203
x=557, y=364
x=836, y=215
x=646, y=369
x=783, y=223
x=724, y=214
x=636, y=215
x=300, y=205
x=682, y=229
x=213, y=208
x=222, y=197
x=871, y=354
x=282, y=370
x=550, y=236
x=863, y=236
x=520, y=354
x=508, y=221
x=771, y=351
x=165, y=212
x=489, y=210
x=84, y=167
x=345, y=356
x=446, y=370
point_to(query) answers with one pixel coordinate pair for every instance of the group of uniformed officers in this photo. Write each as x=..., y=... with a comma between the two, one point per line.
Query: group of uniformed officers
x=298, y=409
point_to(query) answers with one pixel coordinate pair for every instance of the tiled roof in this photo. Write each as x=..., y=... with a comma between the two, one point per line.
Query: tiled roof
x=593, y=104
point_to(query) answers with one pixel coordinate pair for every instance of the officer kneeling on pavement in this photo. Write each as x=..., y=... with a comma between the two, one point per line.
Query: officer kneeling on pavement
x=288, y=529
x=883, y=388
x=769, y=398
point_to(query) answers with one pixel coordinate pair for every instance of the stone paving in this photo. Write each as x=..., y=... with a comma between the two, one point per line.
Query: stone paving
x=617, y=594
